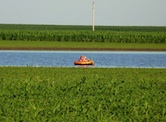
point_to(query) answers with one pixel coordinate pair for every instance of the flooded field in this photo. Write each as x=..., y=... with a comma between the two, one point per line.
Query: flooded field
x=66, y=58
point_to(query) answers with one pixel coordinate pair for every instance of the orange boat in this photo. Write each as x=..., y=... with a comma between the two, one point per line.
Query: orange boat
x=84, y=61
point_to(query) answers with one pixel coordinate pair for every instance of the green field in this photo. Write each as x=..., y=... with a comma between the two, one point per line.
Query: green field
x=46, y=45
x=82, y=94
x=58, y=37
x=84, y=36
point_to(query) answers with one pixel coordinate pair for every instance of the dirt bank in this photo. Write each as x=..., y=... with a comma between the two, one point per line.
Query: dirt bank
x=81, y=49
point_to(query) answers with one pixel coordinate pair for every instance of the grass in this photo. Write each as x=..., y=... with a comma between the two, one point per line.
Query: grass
x=82, y=94
x=72, y=45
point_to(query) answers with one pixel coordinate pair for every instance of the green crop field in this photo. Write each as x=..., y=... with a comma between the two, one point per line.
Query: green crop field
x=83, y=34
x=56, y=37
x=82, y=94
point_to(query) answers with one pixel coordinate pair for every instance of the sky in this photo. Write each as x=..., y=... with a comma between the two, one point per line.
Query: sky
x=79, y=12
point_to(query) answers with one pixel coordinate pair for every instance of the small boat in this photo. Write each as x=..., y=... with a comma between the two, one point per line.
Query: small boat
x=84, y=61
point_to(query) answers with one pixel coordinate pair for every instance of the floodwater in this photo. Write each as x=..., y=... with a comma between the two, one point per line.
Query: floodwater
x=104, y=59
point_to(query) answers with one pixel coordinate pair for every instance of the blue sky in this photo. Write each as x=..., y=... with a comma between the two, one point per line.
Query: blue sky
x=79, y=12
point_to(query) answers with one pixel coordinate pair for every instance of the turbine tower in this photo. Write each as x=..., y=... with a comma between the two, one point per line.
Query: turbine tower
x=93, y=15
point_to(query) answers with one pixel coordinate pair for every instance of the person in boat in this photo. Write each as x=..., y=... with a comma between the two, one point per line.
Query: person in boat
x=84, y=58
x=84, y=61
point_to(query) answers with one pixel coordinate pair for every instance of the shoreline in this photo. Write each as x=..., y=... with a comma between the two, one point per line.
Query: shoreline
x=82, y=49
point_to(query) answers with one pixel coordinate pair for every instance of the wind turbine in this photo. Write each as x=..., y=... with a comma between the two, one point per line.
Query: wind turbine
x=93, y=15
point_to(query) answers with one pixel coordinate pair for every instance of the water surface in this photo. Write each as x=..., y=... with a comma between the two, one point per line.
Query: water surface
x=67, y=58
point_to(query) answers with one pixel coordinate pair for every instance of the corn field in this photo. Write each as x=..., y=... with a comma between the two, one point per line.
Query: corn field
x=83, y=34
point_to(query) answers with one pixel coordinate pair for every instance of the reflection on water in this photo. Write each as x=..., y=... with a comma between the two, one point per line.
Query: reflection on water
x=67, y=58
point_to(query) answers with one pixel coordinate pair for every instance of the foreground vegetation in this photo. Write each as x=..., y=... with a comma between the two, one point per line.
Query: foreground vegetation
x=82, y=94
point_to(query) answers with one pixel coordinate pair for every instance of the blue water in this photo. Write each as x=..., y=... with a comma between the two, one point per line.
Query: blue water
x=67, y=58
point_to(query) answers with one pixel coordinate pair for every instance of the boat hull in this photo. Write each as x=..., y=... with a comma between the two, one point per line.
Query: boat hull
x=90, y=62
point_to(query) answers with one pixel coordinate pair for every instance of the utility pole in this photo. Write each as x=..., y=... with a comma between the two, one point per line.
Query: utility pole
x=93, y=15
